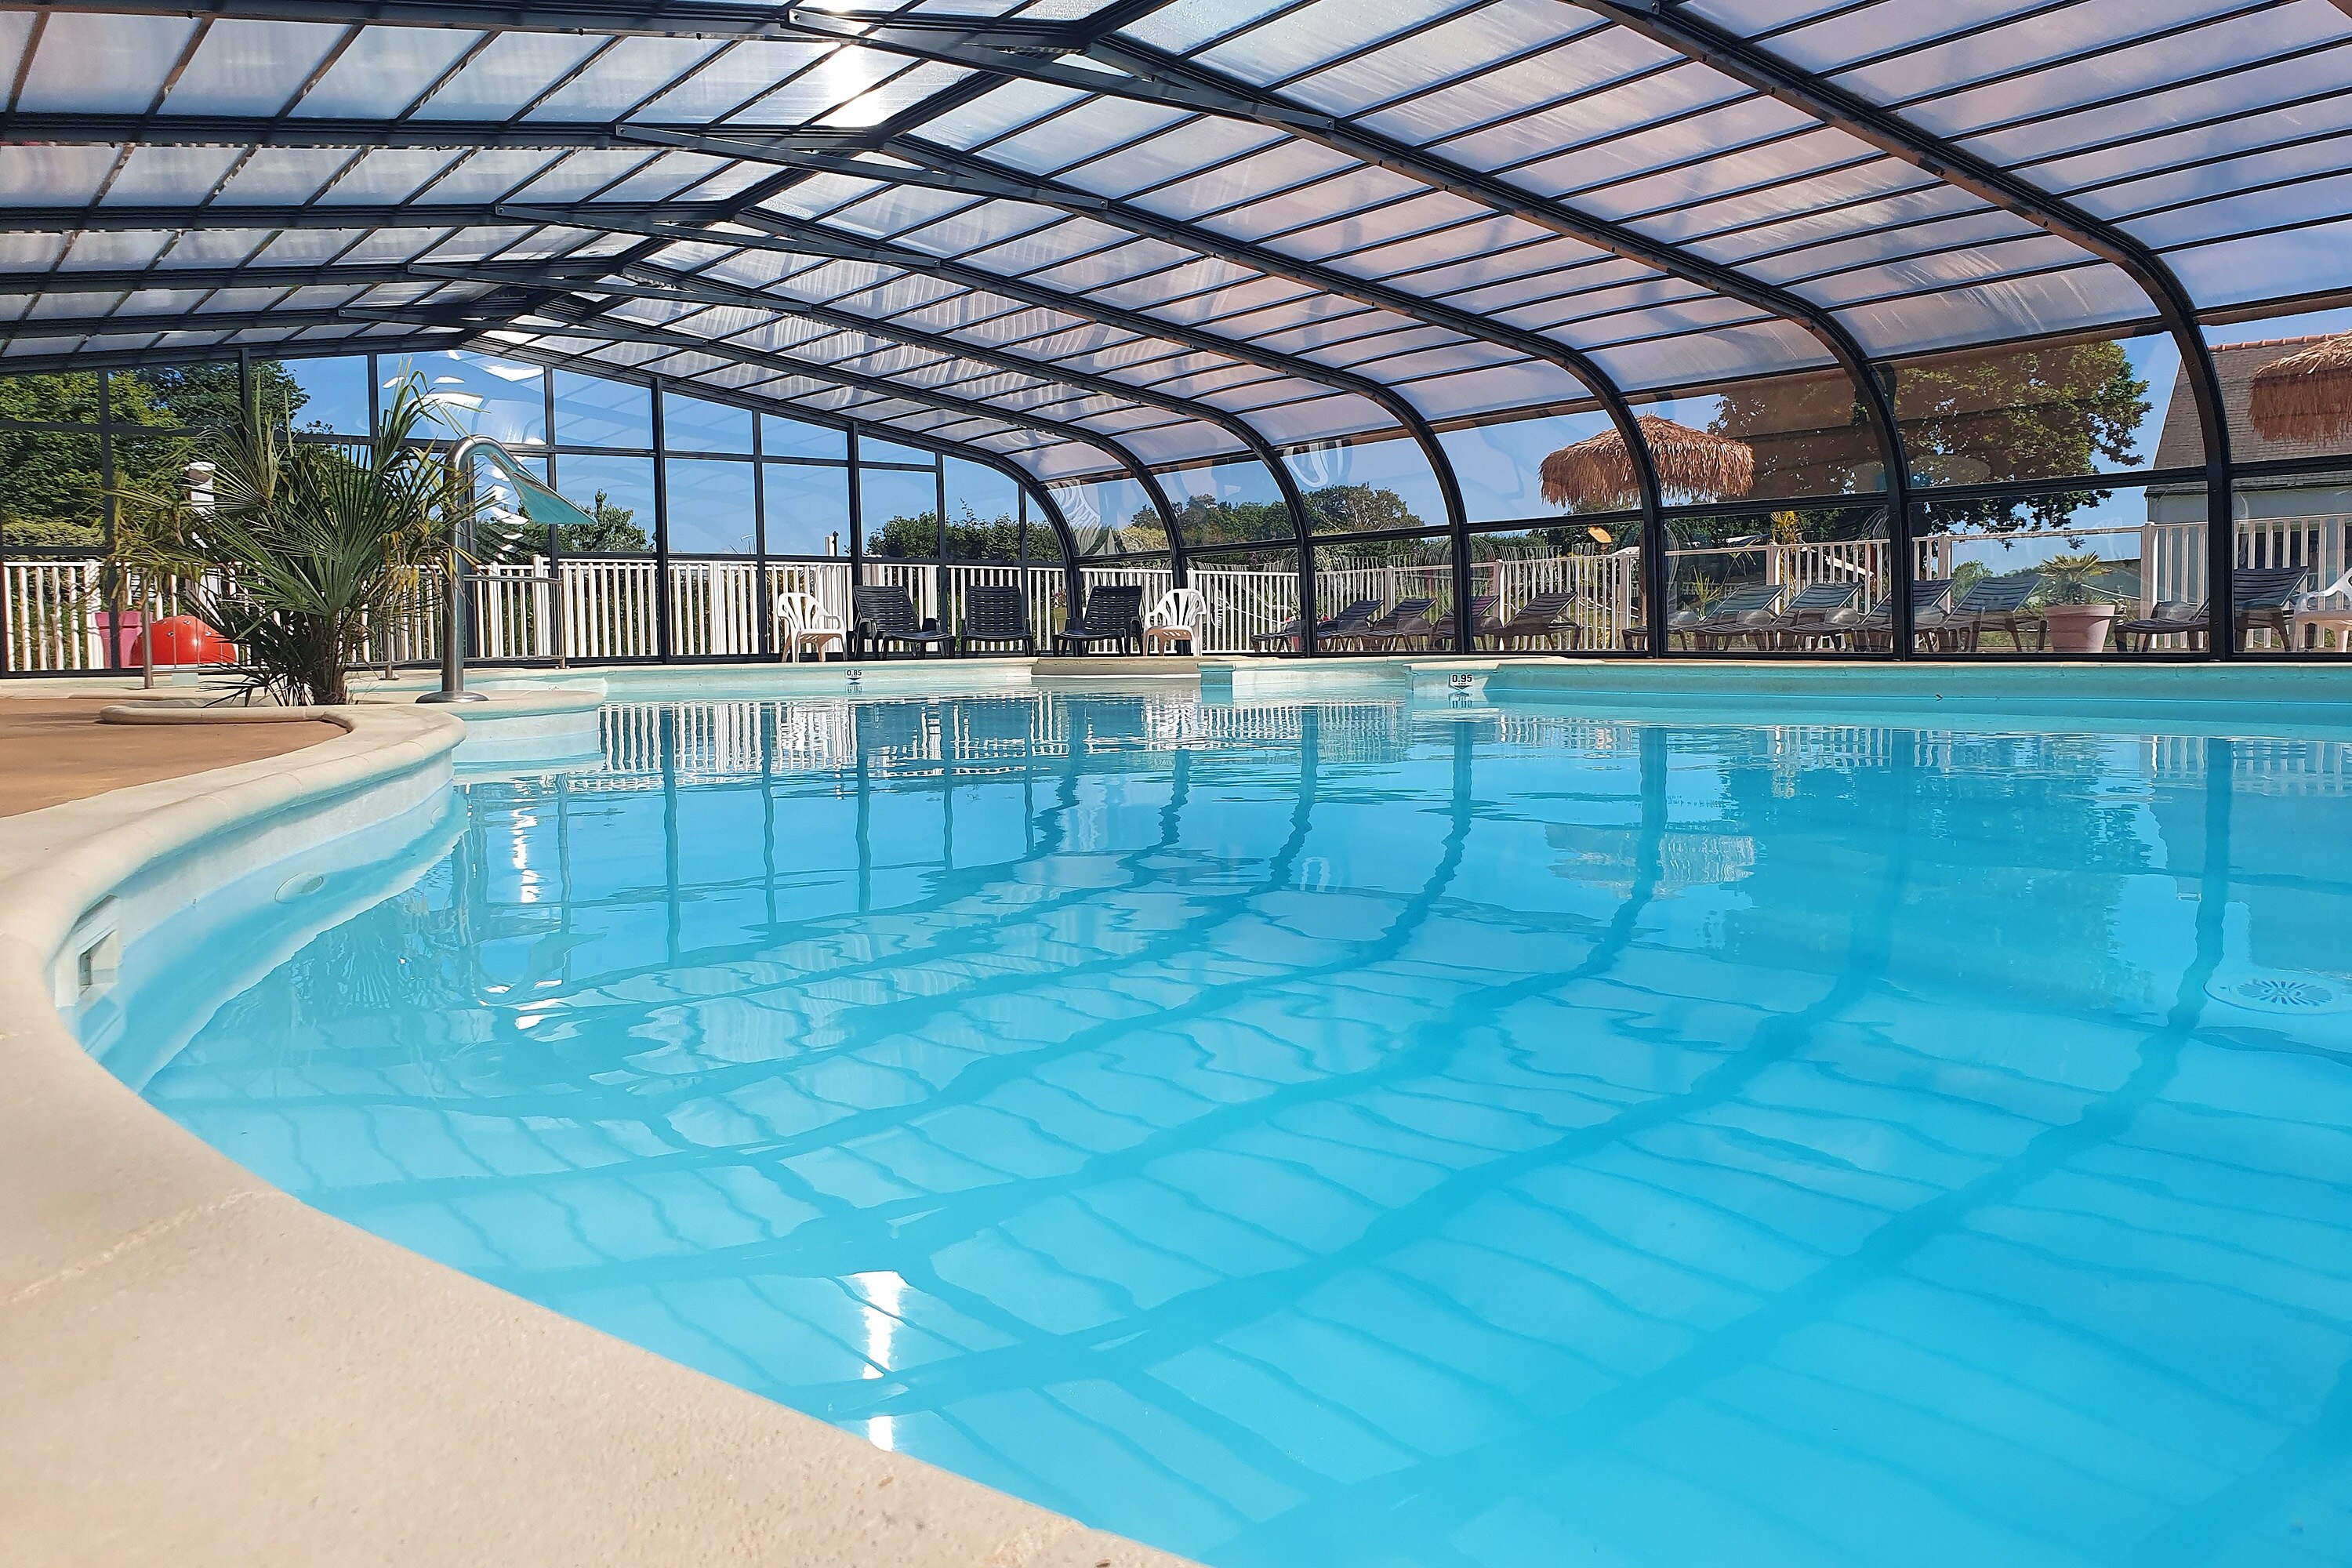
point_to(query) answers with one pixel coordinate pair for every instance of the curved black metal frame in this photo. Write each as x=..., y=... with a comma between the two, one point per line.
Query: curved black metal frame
x=576, y=292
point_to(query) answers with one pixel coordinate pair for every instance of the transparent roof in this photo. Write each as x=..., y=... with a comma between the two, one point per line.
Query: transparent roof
x=1102, y=236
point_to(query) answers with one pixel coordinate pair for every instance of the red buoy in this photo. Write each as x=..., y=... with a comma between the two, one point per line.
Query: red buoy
x=184, y=640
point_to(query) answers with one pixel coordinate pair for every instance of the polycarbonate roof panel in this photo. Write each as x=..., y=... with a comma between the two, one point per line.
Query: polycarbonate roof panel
x=1491, y=171
x=244, y=67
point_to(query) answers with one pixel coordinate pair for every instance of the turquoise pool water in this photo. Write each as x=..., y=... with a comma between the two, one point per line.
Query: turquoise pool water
x=1370, y=1135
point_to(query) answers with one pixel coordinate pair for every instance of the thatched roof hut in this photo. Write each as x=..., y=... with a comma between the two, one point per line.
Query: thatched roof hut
x=2305, y=396
x=1597, y=475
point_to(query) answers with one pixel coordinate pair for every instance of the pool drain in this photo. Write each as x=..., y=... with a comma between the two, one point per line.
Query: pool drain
x=2280, y=994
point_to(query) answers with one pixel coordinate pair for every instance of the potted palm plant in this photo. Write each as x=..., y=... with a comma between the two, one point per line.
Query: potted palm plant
x=302, y=548
x=2076, y=611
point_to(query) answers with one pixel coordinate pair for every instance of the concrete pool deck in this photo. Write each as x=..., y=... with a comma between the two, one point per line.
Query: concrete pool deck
x=196, y=1369
x=54, y=750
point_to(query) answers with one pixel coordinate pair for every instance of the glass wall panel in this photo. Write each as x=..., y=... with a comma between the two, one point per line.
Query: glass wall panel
x=781, y=437
x=1253, y=599
x=2071, y=571
x=1590, y=568
x=1391, y=596
x=873, y=450
x=1789, y=435
x=1226, y=503
x=189, y=395
x=901, y=512
x=327, y=397
x=710, y=507
x=52, y=482
x=1807, y=579
x=593, y=412
x=807, y=508
x=618, y=492
x=2046, y=411
x=694, y=424
x=2284, y=522
x=473, y=394
x=49, y=399
x=1499, y=465
x=52, y=485
x=2282, y=381
x=1364, y=487
x=1039, y=543
x=1110, y=517
x=502, y=507
x=983, y=513
x=150, y=467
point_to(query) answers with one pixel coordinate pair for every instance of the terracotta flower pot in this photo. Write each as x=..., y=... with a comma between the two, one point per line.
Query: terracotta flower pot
x=2079, y=628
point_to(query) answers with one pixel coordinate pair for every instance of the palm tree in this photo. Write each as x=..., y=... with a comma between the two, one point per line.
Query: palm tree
x=307, y=545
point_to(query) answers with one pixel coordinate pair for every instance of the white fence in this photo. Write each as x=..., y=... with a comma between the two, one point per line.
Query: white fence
x=594, y=609
x=52, y=615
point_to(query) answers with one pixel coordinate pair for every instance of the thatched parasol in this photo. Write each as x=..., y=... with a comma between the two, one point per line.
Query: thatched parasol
x=1693, y=465
x=2305, y=396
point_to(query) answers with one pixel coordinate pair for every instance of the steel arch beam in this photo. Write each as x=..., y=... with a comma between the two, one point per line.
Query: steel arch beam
x=424, y=318
x=604, y=370
x=649, y=281
x=796, y=237
x=262, y=219
x=720, y=20
x=274, y=130
x=720, y=348
x=942, y=168
x=684, y=288
x=141, y=359
x=449, y=337
x=951, y=170
x=1455, y=179
x=1678, y=29
x=818, y=153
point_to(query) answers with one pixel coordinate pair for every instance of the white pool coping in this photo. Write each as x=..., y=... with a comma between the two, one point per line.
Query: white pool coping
x=197, y=1369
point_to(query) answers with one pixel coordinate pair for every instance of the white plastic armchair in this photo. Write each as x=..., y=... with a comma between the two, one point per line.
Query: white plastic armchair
x=805, y=623
x=2317, y=614
x=1178, y=618
x=2335, y=596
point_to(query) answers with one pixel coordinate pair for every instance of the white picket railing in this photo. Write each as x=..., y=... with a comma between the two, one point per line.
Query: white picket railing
x=1606, y=590
x=595, y=609
x=52, y=615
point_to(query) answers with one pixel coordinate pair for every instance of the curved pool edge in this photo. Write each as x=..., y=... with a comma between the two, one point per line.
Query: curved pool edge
x=196, y=1368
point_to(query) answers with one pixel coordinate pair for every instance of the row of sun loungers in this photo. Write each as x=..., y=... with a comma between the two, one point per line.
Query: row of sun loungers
x=995, y=617
x=1412, y=625
x=1819, y=615
x=1830, y=616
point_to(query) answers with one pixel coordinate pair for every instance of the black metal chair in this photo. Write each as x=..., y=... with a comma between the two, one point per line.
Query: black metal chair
x=2262, y=597
x=1113, y=614
x=1348, y=623
x=1992, y=603
x=1734, y=615
x=1814, y=615
x=2173, y=618
x=995, y=613
x=1408, y=618
x=886, y=619
x=1876, y=629
x=1440, y=636
x=1541, y=620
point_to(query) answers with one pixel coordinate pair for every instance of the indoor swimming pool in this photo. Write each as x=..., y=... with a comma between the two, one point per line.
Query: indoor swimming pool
x=1370, y=1133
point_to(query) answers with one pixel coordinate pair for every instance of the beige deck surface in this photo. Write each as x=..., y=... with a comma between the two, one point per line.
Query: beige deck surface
x=53, y=749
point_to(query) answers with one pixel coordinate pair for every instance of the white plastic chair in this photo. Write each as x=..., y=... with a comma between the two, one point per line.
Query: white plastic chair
x=2317, y=614
x=1178, y=618
x=805, y=623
